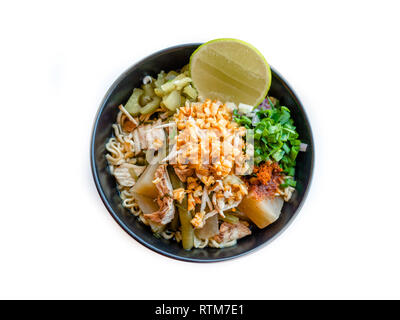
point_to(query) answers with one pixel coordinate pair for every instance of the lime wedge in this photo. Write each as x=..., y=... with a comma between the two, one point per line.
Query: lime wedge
x=230, y=70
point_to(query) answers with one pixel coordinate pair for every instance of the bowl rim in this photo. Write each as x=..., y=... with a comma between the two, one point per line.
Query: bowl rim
x=133, y=234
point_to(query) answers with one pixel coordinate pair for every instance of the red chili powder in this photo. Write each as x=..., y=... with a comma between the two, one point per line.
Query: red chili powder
x=267, y=180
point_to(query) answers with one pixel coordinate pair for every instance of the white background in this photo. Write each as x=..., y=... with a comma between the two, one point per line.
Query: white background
x=58, y=59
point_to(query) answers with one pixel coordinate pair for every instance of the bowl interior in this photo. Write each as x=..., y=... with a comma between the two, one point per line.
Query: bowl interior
x=170, y=59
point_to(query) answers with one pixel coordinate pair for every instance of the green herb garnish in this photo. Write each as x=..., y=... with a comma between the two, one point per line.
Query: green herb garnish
x=275, y=137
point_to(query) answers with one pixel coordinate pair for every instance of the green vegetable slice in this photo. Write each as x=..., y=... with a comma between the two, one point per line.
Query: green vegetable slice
x=133, y=106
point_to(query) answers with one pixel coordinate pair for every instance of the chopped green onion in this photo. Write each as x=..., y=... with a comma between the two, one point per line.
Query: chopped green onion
x=290, y=182
x=275, y=137
x=291, y=171
x=278, y=155
x=286, y=148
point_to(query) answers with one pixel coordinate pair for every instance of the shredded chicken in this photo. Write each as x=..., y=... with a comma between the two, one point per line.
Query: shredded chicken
x=229, y=231
x=219, y=203
x=126, y=172
x=288, y=192
x=149, y=136
x=166, y=212
x=183, y=174
x=204, y=199
x=165, y=200
x=162, y=181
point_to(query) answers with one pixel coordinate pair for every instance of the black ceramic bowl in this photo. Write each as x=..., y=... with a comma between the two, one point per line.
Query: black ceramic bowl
x=170, y=59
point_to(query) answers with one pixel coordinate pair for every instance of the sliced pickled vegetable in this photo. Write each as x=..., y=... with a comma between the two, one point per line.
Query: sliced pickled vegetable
x=186, y=227
x=183, y=101
x=180, y=83
x=148, y=90
x=190, y=92
x=133, y=106
x=173, y=100
x=160, y=79
x=151, y=106
x=230, y=218
x=158, y=92
x=261, y=212
x=145, y=100
x=145, y=185
x=141, y=161
x=184, y=215
x=167, y=87
x=146, y=204
x=176, y=184
x=210, y=228
x=171, y=75
x=175, y=181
